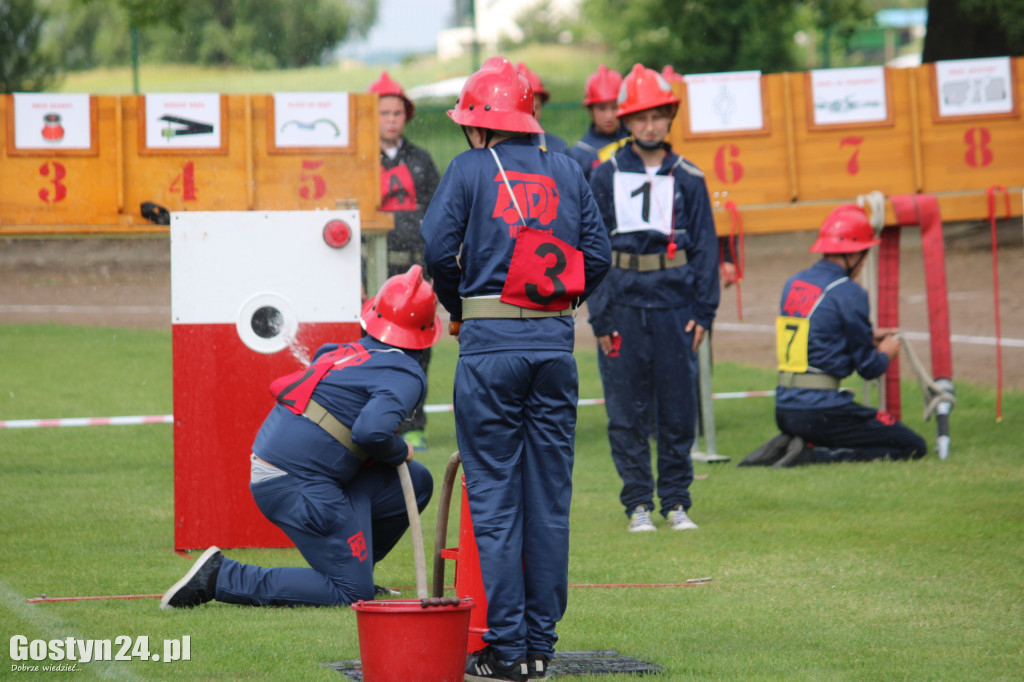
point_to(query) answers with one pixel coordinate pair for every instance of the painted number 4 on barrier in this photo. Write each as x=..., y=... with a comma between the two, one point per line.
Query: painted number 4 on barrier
x=185, y=182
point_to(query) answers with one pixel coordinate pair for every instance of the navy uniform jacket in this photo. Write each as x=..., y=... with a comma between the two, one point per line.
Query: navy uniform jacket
x=840, y=340
x=371, y=394
x=552, y=143
x=408, y=182
x=694, y=287
x=595, y=148
x=469, y=234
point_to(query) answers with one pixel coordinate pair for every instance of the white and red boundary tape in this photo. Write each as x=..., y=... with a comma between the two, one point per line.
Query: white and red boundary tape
x=87, y=421
x=169, y=418
x=692, y=582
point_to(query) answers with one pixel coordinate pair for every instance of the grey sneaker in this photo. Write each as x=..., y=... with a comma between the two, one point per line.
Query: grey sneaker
x=768, y=453
x=797, y=453
x=198, y=586
x=640, y=521
x=678, y=519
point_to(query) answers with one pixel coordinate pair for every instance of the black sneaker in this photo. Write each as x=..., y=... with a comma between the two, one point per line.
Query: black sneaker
x=381, y=591
x=198, y=586
x=485, y=665
x=537, y=666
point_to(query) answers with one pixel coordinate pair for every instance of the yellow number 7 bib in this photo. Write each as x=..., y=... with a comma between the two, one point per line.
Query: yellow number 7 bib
x=791, y=334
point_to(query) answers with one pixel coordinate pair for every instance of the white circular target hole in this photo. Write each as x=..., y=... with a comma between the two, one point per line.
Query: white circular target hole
x=267, y=323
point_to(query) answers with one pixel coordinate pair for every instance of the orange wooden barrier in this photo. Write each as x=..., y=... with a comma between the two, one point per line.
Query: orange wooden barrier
x=789, y=175
x=100, y=189
x=782, y=177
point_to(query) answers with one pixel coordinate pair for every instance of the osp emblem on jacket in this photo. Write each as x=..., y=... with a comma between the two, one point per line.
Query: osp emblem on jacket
x=535, y=195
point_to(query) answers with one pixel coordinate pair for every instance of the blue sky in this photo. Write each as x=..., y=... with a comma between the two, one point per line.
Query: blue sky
x=404, y=26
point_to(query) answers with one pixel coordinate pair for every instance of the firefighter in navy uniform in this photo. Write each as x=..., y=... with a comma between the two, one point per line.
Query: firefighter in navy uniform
x=660, y=297
x=514, y=244
x=824, y=334
x=408, y=180
x=543, y=139
x=606, y=134
x=323, y=462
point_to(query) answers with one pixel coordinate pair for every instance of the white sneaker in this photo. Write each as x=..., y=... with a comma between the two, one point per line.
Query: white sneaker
x=678, y=519
x=640, y=521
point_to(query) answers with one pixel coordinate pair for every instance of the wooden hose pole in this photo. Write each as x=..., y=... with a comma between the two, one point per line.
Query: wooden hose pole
x=443, y=512
x=419, y=556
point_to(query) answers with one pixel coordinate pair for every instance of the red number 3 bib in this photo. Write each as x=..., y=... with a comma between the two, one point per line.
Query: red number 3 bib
x=545, y=273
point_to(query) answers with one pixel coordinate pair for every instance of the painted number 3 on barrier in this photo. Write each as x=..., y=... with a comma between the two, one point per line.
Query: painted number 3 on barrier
x=56, y=189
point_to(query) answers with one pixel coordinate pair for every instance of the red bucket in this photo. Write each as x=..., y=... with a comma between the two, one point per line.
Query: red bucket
x=400, y=641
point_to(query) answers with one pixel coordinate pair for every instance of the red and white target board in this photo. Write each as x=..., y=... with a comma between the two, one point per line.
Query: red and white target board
x=253, y=295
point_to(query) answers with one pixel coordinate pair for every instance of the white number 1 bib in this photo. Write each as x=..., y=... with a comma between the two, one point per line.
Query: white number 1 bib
x=643, y=202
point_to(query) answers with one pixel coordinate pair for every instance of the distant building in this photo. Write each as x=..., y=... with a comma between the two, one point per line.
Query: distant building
x=495, y=19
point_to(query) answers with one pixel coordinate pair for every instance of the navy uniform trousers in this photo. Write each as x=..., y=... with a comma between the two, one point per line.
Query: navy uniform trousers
x=341, y=531
x=655, y=370
x=517, y=454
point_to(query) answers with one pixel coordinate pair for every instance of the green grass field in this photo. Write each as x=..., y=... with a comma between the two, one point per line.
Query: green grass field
x=883, y=571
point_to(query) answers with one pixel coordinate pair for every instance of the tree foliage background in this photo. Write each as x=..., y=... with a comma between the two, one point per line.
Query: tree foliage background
x=962, y=29
x=40, y=38
x=257, y=34
x=701, y=37
x=24, y=66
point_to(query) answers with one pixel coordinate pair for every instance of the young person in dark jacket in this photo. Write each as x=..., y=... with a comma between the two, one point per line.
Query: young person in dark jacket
x=606, y=134
x=660, y=297
x=824, y=334
x=408, y=179
x=543, y=139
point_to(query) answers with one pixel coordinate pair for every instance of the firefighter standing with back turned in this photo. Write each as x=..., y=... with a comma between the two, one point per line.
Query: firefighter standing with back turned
x=514, y=244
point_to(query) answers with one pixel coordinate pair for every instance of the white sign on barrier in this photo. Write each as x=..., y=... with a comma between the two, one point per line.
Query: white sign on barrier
x=183, y=121
x=974, y=87
x=52, y=121
x=724, y=102
x=844, y=96
x=311, y=119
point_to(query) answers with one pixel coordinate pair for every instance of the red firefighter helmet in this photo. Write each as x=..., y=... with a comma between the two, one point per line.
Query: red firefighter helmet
x=602, y=86
x=404, y=312
x=644, y=89
x=535, y=82
x=497, y=97
x=670, y=75
x=385, y=86
x=847, y=229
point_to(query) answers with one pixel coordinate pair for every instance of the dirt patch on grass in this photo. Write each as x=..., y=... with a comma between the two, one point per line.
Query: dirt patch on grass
x=125, y=282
